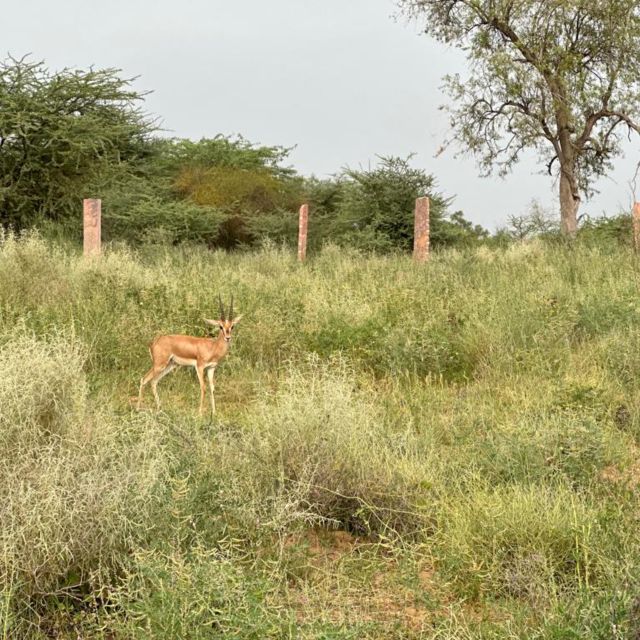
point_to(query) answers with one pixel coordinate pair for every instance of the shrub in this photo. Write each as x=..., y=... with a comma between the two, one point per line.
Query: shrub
x=158, y=221
x=526, y=542
x=76, y=488
x=39, y=403
x=374, y=209
x=202, y=595
x=319, y=452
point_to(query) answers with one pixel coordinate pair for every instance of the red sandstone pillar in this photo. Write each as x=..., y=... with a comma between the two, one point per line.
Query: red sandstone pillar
x=92, y=218
x=302, y=232
x=421, y=231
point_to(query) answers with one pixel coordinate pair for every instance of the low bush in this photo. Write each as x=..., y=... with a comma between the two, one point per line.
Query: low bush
x=202, y=595
x=77, y=485
x=319, y=452
x=522, y=542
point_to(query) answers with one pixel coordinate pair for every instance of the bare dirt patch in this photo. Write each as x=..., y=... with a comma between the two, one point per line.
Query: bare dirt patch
x=345, y=579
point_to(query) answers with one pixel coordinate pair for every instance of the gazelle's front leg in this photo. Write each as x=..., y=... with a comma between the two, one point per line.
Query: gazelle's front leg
x=200, y=372
x=210, y=373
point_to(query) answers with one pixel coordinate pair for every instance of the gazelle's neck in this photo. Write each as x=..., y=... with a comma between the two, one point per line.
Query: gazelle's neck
x=222, y=344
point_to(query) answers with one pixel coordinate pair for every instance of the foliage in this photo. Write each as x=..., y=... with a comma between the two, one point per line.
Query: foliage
x=608, y=230
x=61, y=133
x=166, y=222
x=74, y=133
x=221, y=151
x=201, y=594
x=77, y=489
x=399, y=452
x=373, y=209
x=206, y=192
x=558, y=77
x=242, y=194
x=376, y=208
x=537, y=222
x=377, y=204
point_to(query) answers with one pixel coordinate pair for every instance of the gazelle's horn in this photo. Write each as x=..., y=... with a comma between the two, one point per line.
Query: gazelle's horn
x=222, y=315
x=231, y=308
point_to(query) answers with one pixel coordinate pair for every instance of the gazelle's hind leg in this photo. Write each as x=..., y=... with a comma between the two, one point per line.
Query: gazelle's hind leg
x=154, y=382
x=154, y=375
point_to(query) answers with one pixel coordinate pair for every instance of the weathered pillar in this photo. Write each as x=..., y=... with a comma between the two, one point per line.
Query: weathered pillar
x=92, y=219
x=303, y=222
x=421, y=231
x=636, y=226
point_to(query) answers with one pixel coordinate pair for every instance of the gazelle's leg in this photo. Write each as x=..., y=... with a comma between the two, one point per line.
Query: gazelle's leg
x=210, y=373
x=200, y=372
x=145, y=379
x=159, y=374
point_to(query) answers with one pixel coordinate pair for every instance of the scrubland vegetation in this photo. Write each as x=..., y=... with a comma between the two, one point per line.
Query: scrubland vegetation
x=400, y=451
x=72, y=134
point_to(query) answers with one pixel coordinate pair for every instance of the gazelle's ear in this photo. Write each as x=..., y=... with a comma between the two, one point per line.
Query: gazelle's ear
x=214, y=323
x=236, y=320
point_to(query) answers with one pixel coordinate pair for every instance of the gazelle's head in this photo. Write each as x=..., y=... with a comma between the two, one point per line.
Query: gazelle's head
x=226, y=322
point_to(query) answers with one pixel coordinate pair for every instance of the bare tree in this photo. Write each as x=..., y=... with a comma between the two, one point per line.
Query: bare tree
x=556, y=76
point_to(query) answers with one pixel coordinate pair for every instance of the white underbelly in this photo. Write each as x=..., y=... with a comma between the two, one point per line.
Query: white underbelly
x=184, y=362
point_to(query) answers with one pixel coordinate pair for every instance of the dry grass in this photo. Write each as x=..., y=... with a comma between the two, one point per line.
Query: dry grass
x=76, y=485
x=445, y=452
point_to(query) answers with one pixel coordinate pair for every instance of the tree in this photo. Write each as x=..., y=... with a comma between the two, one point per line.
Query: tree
x=61, y=134
x=374, y=208
x=244, y=180
x=556, y=76
x=371, y=209
x=214, y=191
x=537, y=222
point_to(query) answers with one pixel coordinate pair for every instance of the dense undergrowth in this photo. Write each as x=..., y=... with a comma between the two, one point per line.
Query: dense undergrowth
x=445, y=451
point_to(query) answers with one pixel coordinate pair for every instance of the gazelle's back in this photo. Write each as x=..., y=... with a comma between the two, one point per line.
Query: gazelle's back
x=171, y=340
x=190, y=347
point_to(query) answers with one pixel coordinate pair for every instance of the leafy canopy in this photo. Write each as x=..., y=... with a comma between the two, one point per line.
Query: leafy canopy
x=206, y=191
x=74, y=134
x=372, y=209
x=60, y=133
x=555, y=76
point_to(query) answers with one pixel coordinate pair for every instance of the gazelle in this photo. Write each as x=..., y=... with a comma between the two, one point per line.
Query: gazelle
x=171, y=351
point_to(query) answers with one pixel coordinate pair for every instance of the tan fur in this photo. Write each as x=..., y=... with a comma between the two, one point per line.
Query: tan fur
x=171, y=351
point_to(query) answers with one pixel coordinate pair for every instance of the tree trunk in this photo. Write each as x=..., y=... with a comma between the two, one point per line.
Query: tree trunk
x=569, y=202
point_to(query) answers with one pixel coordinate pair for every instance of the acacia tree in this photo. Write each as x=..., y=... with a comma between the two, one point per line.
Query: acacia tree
x=61, y=134
x=556, y=76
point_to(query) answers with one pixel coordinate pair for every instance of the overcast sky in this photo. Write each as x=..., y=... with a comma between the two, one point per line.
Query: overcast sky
x=340, y=80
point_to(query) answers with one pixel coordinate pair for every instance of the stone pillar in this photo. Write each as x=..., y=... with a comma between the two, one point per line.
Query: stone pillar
x=92, y=220
x=636, y=226
x=421, y=231
x=303, y=222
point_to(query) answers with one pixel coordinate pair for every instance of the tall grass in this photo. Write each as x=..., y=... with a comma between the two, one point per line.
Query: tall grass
x=400, y=451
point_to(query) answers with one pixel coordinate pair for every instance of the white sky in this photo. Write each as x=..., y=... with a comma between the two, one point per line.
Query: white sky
x=339, y=79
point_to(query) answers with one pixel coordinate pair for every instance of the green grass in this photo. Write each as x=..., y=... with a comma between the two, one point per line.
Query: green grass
x=400, y=451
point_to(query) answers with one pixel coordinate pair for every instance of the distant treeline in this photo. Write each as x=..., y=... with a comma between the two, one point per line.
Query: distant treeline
x=72, y=134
